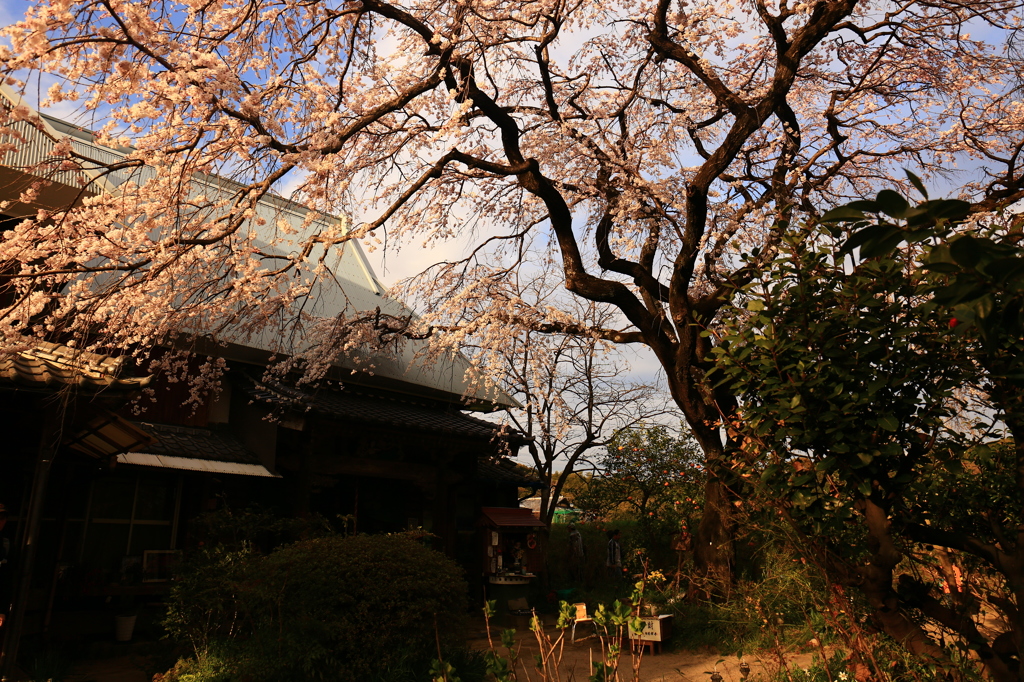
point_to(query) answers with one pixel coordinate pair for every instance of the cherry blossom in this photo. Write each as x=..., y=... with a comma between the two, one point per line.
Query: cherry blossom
x=638, y=146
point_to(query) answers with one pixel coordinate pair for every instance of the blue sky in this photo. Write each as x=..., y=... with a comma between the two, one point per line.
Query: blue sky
x=12, y=10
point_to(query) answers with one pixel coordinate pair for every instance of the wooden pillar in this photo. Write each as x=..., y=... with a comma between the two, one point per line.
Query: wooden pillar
x=27, y=552
x=308, y=456
x=63, y=495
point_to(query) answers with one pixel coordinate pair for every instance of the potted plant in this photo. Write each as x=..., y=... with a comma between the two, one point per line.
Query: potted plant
x=124, y=620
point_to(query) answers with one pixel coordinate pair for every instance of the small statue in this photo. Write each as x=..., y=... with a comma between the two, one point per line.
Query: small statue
x=517, y=555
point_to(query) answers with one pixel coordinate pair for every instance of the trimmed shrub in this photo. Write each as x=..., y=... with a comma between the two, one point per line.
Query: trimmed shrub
x=330, y=608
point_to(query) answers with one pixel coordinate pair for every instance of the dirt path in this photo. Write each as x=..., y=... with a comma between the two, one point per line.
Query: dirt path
x=679, y=666
x=673, y=666
x=118, y=669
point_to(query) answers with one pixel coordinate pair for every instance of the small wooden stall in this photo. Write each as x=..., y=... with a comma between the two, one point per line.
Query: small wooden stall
x=512, y=554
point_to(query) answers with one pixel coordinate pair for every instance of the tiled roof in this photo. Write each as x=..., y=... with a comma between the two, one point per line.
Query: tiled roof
x=504, y=471
x=48, y=365
x=196, y=443
x=349, y=404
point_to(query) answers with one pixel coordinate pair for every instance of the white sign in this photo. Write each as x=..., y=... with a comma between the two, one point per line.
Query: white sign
x=655, y=627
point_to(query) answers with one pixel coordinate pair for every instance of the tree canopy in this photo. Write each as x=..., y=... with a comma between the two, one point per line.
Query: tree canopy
x=642, y=147
x=648, y=472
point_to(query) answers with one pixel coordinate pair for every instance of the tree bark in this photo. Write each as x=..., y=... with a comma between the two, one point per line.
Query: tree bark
x=876, y=584
x=959, y=622
x=713, y=550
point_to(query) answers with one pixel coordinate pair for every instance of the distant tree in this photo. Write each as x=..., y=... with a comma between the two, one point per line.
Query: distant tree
x=575, y=485
x=647, y=472
x=574, y=391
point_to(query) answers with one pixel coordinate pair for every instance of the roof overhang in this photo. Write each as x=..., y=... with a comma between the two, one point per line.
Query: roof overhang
x=192, y=464
x=511, y=517
x=107, y=435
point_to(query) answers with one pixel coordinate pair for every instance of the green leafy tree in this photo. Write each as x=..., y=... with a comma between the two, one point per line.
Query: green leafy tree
x=859, y=364
x=647, y=472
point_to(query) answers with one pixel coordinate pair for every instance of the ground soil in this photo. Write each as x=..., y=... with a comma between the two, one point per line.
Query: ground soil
x=117, y=669
x=665, y=666
x=677, y=665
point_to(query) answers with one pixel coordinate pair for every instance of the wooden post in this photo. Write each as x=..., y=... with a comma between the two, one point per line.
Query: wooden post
x=26, y=555
x=63, y=495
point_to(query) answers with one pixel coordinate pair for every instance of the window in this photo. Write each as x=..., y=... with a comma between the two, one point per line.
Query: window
x=129, y=514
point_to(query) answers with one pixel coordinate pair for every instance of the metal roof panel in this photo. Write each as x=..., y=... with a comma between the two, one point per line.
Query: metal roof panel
x=192, y=464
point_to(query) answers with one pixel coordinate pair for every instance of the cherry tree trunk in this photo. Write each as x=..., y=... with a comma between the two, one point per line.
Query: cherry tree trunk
x=713, y=551
x=713, y=543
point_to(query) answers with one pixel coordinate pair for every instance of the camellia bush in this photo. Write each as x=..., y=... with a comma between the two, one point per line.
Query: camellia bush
x=330, y=608
x=883, y=416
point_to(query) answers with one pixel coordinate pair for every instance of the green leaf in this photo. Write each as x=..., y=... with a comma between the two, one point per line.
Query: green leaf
x=983, y=452
x=948, y=209
x=959, y=290
x=983, y=306
x=801, y=499
x=1005, y=269
x=842, y=213
x=963, y=314
x=795, y=401
x=944, y=268
x=888, y=422
x=755, y=305
x=940, y=254
x=803, y=479
x=1013, y=315
x=826, y=464
x=862, y=236
x=966, y=251
x=883, y=244
x=916, y=182
x=891, y=203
